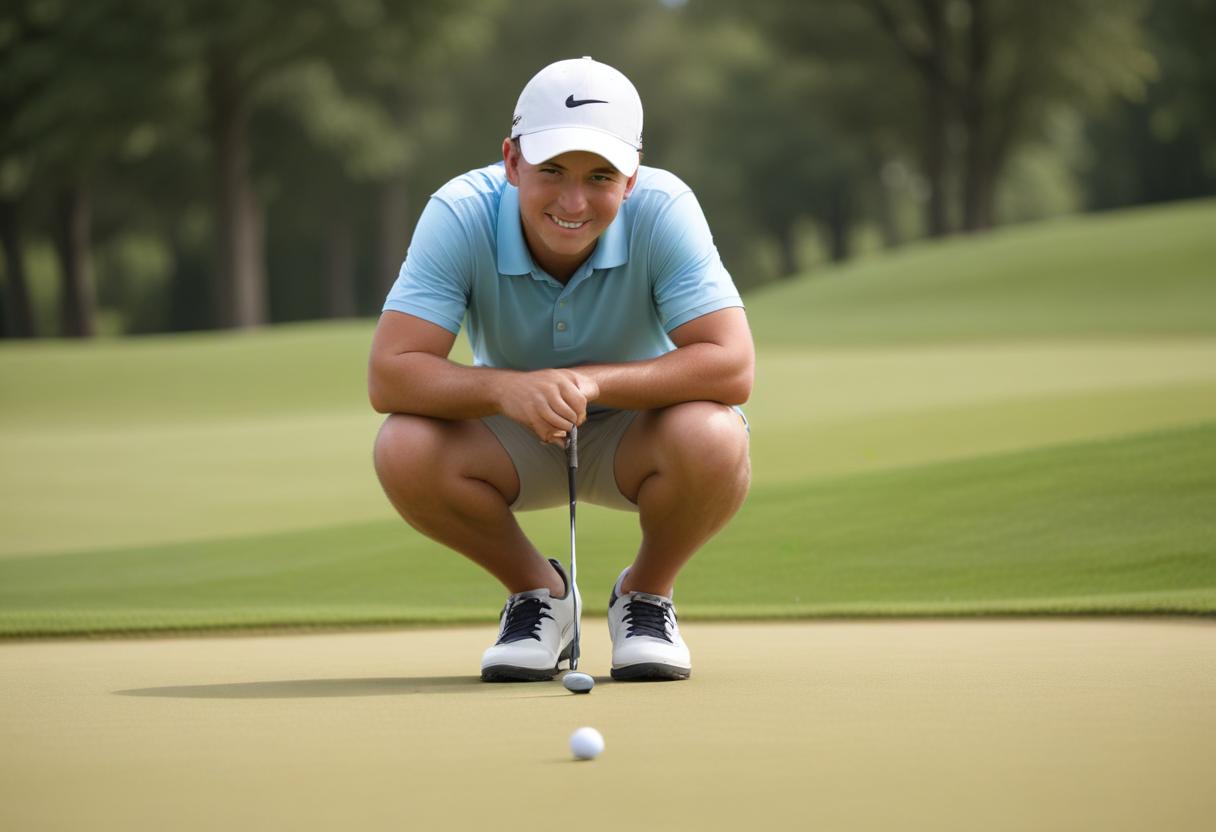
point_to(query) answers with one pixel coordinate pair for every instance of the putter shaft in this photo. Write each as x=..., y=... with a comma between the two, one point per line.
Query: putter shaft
x=571, y=467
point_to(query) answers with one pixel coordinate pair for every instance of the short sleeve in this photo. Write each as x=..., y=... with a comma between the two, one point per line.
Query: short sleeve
x=688, y=276
x=435, y=279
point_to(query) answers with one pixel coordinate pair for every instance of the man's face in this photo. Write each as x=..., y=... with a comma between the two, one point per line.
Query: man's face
x=565, y=204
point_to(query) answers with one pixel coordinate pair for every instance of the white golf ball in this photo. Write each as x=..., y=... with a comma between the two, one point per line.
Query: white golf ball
x=578, y=682
x=586, y=743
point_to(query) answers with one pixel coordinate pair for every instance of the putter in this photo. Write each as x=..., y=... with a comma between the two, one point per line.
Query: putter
x=575, y=681
x=571, y=468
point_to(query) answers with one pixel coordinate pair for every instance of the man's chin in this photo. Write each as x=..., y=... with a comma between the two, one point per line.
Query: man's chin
x=571, y=246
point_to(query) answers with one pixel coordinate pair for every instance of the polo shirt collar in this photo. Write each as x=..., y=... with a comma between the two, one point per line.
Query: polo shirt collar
x=611, y=251
x=513, y=254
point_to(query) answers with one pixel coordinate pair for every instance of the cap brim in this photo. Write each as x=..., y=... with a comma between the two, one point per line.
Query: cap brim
x=545, y=144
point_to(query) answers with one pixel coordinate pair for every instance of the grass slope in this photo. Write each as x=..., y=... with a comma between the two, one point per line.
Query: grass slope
x=1146, y=271
x=156, y=476
x=1118, y=526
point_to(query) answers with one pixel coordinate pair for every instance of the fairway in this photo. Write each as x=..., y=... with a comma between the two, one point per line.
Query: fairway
x=1023, y=422
x=1117, y=526
x=1043, y=725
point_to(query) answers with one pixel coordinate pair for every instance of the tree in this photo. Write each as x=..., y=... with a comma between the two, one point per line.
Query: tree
x=960, y=86
x=280, y=53
x=998, y=68
x=76, y=84
x=16, y=314
x=1159, y=146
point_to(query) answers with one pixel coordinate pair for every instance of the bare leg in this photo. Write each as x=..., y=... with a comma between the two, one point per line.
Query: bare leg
x=687, y=468
x=454, y=482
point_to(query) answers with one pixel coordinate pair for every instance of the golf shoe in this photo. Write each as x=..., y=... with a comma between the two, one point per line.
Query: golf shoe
x=646, y=643
x=535, y=632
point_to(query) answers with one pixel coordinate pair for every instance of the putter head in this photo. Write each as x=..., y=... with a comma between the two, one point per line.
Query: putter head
x=578, y=682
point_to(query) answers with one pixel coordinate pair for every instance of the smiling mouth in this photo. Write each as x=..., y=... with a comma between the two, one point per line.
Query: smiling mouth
x=567, y=225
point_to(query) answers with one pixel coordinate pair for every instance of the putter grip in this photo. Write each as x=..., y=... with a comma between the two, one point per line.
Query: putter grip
x=572, y=447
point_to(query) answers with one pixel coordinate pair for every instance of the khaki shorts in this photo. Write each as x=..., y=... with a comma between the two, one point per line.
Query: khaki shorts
x=542, y=467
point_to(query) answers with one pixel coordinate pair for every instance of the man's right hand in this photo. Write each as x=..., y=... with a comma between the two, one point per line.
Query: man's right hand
x=547, y=402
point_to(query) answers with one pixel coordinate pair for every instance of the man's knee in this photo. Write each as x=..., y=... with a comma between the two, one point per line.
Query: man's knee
x=405, y=448
x=420, y=459
x=705, y=438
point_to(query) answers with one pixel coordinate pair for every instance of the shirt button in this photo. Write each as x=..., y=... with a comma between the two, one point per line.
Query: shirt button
x=561, y=326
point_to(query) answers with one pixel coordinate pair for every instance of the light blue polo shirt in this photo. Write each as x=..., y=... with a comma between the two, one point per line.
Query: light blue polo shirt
x=654, y=268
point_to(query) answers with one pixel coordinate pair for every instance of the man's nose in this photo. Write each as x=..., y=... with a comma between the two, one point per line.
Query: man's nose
x=572, y=201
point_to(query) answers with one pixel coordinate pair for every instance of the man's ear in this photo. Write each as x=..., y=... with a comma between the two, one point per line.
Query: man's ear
x=510, y=158
x=633, y=180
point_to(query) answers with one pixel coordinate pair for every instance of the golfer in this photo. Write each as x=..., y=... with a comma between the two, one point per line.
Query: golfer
x=594, y=296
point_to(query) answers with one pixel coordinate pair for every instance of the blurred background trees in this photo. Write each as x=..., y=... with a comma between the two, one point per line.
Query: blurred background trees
x=209, y=164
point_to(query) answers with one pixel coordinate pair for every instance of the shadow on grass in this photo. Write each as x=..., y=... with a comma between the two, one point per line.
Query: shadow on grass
x=338, y=688
x=316, y=688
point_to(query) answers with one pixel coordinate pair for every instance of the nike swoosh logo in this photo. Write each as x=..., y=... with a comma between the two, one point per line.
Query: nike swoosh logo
x=570, y=102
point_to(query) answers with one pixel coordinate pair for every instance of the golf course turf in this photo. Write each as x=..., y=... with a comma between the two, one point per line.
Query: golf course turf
x=1019, y=423
x=1015, y=432
x=1084, y=724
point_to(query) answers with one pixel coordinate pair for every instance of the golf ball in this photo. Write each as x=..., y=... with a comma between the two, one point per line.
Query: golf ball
x=586, y=743
x=578, y=682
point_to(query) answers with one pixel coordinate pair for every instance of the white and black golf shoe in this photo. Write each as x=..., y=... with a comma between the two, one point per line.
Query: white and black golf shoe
x=646, y=643
x=535, y=634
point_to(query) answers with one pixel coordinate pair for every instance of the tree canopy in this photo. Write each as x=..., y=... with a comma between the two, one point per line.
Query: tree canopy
x=223, y=164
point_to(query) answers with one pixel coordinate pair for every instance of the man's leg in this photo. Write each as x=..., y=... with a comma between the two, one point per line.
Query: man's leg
x=454, y=482
x=687, y=468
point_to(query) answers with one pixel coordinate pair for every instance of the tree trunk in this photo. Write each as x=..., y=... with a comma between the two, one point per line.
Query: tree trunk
x=840, y=223
x=930, y=62
x=884, y=205
x=981, y=195
x=339, y=269
x=394, y=236
x=78, y=299
x=241, y=286
x=18, y=317
x=788, y=249
x=938, y=127
x=978, y=185
x=191, y=293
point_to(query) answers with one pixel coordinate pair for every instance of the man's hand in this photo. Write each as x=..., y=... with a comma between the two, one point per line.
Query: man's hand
x=547, y=402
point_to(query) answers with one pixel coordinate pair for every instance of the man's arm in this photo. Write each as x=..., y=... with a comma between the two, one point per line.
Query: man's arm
x=714, y=360
x=409, y=372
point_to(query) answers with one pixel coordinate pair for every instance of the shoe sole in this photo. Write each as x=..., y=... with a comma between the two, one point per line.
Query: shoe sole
x=507, y=673
x=650, y=672
x=511, y=673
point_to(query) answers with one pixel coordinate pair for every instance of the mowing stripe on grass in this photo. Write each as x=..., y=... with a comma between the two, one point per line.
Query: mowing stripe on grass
x=815, y=414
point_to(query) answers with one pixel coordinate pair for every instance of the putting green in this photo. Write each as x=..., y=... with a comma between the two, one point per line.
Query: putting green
x=1001, y=725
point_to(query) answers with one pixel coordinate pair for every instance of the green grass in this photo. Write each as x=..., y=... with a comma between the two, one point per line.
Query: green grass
x=1016, y=423
x=1147, y=272
x=1119, y=526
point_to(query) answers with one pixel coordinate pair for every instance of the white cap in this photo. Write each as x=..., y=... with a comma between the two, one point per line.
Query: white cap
x=580, y=104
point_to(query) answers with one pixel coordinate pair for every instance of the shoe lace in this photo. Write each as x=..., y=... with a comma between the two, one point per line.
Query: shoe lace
x=523, y=619
x=648, y=618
